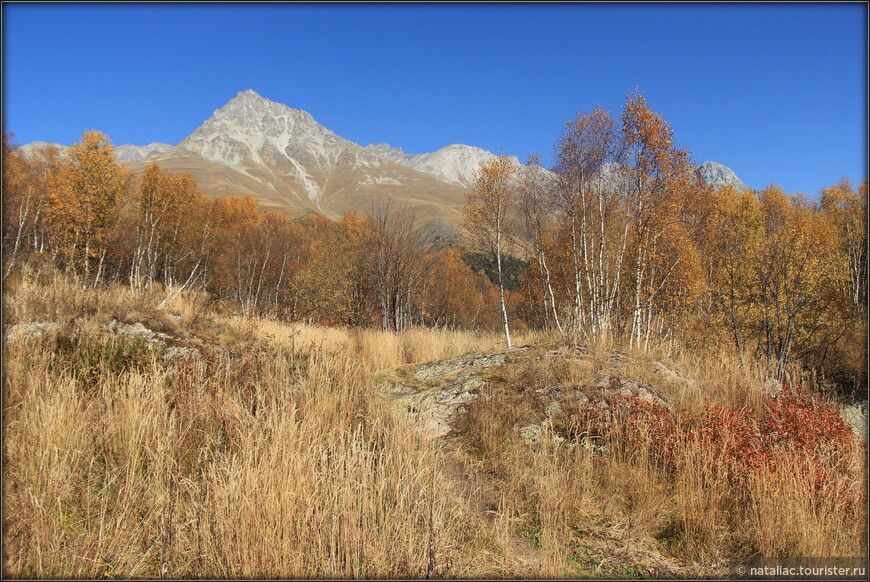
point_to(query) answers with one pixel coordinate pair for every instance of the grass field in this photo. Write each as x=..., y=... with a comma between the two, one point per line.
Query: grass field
x=241, y=447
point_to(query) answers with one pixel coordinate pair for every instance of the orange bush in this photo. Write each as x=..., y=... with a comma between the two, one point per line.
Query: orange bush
x=789, y=426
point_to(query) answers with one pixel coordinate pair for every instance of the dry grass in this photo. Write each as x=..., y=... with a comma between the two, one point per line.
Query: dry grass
x=259, y=467
x=620, y=510
x=283, y=460
x=375, y=349
x=220, y=471
x=788, y=517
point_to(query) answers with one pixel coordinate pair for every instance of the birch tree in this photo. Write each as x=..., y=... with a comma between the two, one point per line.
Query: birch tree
x=535, y=200
x=395, y=251
x=488, y=216
x=589, y=185
x=655, y=170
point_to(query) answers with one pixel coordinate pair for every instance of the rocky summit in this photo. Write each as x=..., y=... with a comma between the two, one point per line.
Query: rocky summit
x=289, y=162
x=716, y=174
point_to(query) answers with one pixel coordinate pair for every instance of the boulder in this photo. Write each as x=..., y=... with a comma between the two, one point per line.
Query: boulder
x=631, y=388
x=530, y=432
x=30, y=330
x=855, y=415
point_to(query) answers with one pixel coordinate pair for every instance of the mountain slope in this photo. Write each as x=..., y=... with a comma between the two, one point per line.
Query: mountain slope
x=289, y=162
x=716, y=174
x=133, y=153
x=456, y=163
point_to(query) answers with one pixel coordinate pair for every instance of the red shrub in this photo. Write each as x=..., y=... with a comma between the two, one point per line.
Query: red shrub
x=790, y=425
x=796, y=420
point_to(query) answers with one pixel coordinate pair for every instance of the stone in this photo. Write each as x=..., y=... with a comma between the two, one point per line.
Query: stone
x=855, y=415
x=472, y=384
x=135, y=329
x=553, y=409
x=179, y=352
x=668, y=374
x=30, y=330
x=530, y=433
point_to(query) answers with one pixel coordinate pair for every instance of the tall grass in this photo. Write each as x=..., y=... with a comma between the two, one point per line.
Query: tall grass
x=273, y=455
x=218, y=472
x=631, y=500
x=376, y=349
x=217, y=467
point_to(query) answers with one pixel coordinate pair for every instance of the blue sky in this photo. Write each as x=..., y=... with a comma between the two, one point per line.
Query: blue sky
x=775, y=91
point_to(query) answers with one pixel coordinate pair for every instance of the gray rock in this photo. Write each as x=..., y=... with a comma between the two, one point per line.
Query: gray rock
x=462, y=363
x=630, y=387
x=855, y=415
x=669, y=374
x=607, y=383
x=180, y=352
x=30, y=330
x=472, y=384
x=579, y=396
x=553, y=409
x=135, y=329
x=530, y=433
x=715, y=174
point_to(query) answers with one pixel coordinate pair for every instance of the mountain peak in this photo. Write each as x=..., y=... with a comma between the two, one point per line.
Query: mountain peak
x=254, y=103
x=133, y=153
x=247, y=123
x=455, y=163
x=248, y=96
x=386, y=151
x=716, y=174
x=260, y=137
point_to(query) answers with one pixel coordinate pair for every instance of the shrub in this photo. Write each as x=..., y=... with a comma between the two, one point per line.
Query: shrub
x=90, y=358
x=739, y=441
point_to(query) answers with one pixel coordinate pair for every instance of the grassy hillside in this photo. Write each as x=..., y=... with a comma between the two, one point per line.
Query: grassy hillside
x=186, y=441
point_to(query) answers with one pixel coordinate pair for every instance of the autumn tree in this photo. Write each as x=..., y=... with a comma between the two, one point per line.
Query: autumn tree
x=733, y=235
x=536, y=204
x=23, y=201
x=846, y=208
x=395, y=247
x=454, y=295
x=488, y=218
x=84, y=192
x=657, y=173
x=796, y=270
x=235, y=252
x=589, y=193
x=325, y=284
x=168, y=213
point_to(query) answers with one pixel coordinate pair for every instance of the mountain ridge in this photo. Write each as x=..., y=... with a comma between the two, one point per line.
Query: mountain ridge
x=289, y=162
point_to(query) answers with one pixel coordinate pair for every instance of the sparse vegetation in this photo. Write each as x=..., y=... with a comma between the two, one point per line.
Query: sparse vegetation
x=237, y=446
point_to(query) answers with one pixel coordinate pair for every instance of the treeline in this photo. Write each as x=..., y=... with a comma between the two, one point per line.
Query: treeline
x=621, y=238
x=625, y=240
x=89, y=216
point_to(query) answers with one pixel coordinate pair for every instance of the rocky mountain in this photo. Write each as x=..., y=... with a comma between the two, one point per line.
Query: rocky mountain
x=456, y=163
x=30, y=149
x=289, y=162
x=716, y=174
x=132, y=153
x=123, y=153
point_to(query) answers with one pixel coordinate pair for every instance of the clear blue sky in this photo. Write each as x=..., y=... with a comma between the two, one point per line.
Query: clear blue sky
x=778, y=92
